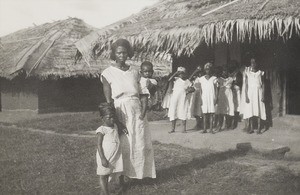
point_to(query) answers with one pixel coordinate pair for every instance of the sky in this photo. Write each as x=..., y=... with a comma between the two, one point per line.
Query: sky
x=18, y=14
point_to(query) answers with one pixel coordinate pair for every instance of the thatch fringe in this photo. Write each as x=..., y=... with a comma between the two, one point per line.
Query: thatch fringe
x=179, y=41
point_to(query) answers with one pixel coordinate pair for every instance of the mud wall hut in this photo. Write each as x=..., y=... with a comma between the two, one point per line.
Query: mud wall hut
x=40, y=70
x=193, y=32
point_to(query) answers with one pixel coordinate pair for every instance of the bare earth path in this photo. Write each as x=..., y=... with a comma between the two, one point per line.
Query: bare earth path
x=285, y=132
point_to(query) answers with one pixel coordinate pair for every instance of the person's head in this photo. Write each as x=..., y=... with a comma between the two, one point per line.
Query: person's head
x=253, y=63
x=147, y=69
x=121, y=50
x=218, y=70
x=107, y=113
x=207, y=68
x=181, y=73
x=225, y=73
x=233, y=66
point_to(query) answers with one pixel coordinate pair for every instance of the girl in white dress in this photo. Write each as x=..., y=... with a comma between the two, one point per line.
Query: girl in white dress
x=236, y=90
x=179, y=103
x=243, y=98
x=255, y=107
x=121, y=88
x=209, y=98
x=225, y=106
x=109, y=155
x=196, y=101
x=167, y=96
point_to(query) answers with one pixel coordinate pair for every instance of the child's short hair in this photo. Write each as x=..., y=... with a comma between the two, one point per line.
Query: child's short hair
x=106, y=109
x=147, y=63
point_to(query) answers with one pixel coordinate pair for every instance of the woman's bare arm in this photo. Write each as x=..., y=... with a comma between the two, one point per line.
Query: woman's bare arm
x=106, y=90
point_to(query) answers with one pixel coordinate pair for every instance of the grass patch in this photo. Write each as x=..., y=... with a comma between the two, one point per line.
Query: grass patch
x=34, y=163
x=71, y=122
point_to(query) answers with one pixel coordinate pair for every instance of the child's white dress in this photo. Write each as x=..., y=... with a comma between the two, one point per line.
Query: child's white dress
x=112, y=151
x=208, y=88
x=255, y=107
x=179, y=103
x=236, y=98
x=196, y=109
x=145, y=90
x=243, y=93
x=167, y=98
x=225, y=99
x=143, y=83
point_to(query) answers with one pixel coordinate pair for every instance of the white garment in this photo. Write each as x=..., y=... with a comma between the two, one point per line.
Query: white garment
x=255, y=107
x=236, y=98
x=208, y=88
x=225, y=99
x=122, y=83
x=167, y=98
x=143, y=83
x=137, y=150
x=179, y=103
x=196, y=101
x=111, y=150
x=243, y=93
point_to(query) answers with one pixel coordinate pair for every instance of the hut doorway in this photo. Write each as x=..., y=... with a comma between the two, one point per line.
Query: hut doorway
x=293, y=92
x=293, y=77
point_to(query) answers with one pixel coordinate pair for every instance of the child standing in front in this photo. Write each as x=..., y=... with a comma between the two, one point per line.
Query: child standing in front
x=255, y=106
x=148, y=86
x=109, y=156
x=179, y=103
x=209, y=96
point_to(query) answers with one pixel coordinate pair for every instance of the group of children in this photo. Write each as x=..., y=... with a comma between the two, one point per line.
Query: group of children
x=209, y=96
x=215, y=95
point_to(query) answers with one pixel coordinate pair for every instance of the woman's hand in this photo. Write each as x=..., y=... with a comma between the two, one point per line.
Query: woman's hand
x=105, y=162
x=142, y=116
x=247, y=99
x=263, y=99
x=216, y=101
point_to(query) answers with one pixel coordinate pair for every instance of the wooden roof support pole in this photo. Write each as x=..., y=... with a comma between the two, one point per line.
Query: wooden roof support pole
x=218, y=8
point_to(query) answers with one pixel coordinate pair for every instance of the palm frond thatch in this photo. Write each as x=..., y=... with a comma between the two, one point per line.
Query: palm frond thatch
x=177, y=26
x=46, y=51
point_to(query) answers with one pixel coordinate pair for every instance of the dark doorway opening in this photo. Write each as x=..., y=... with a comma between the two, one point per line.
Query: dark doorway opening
x=293, y=77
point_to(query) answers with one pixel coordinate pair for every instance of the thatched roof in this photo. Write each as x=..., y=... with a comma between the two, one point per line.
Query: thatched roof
x=46, y=51
x=179, y=26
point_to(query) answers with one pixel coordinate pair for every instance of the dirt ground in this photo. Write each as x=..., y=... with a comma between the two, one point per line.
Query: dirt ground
x=36, y=161
x=41, y=163
x=285, y=132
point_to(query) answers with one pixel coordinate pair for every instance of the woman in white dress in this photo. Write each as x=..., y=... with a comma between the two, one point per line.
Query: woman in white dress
x=255, y=106
x=209, y=97
x=180, y=99
x=121, y=88
x=225, y=106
